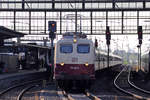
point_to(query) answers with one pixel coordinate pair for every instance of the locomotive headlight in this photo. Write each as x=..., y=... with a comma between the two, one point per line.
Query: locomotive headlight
x=74, y=40
x=62, y=64
x=86, y=64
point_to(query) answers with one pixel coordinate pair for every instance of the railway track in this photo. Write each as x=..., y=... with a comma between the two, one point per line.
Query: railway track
x=42, y=91
x=24, y=91
x=122, y=82
x=136, y=87
x=76, y=96
x=16, y=92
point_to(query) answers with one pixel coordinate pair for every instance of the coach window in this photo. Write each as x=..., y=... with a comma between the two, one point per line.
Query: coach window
x=66, y=48
x=83, y=48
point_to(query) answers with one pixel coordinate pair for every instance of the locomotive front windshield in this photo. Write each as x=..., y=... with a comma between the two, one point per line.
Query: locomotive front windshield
x=66, y=48
x=83, y=48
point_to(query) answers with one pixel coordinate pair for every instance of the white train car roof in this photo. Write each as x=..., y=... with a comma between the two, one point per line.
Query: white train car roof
x=146, y=54
x=69, y=37
x=105, y=53
x=70, y=40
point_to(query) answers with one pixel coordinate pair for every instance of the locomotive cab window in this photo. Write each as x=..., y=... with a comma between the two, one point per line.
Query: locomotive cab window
x=83, y=48
x=66, y=48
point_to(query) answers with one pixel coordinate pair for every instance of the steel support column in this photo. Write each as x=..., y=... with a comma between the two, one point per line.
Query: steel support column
x=139, y=44
x=113, y=4
x=29, y=22
x=91, y=22
x=106, y=18
x=122, y=22
x=53, y=4
x=23, y=6
x=18, y=38
x=76, y=21
x=137, y=19
x=140, y=57
x=83, y=4
x=52, y=59
x=144, y=5
x=14, y=21
x=45, y=23
x=108, y=56
x=60, y=22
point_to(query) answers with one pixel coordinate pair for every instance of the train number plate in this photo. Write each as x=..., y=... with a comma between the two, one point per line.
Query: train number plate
x=74, y=68
x=74, y=59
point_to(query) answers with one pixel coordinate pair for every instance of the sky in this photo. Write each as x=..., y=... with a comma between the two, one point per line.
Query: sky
x=124, y=42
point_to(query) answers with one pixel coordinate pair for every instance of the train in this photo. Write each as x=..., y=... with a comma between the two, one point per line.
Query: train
x=101, y=60
x=76, y=60
x=145, y=62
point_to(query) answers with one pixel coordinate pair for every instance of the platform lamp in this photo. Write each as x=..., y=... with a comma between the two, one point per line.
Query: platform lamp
x=52, y=29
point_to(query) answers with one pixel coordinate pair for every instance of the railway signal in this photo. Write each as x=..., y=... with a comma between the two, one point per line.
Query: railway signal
x=52, y=29
x=108, y=35
x=108, y=38
x=52, y=26
x=140, y=37
x=96, y=43
x=140, y=34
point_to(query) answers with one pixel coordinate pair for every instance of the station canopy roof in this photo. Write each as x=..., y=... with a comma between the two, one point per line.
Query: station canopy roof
x=6, y=33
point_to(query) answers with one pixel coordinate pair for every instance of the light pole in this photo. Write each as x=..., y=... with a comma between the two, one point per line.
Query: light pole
x=140, y=57
x=138, y=46
x=108, y=38
x=140, y=37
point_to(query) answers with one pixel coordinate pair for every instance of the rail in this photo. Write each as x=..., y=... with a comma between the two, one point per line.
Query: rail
x=128, y=79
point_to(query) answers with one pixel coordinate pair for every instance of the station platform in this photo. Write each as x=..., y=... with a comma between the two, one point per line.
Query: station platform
x=20, y=72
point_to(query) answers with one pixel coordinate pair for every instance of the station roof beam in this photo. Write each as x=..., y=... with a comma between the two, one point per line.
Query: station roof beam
x=75, y=5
